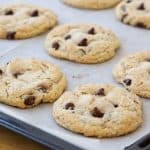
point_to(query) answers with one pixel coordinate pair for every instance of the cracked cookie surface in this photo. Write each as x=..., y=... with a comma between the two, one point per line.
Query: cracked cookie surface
x=82, y=43
x=20, y=21
x=28, y=82
x=99, y=110
x=134, y=12
x=133, y=72
x=92, y=4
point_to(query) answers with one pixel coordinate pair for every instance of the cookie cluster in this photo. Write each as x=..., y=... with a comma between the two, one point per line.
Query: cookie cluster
x=99, y=110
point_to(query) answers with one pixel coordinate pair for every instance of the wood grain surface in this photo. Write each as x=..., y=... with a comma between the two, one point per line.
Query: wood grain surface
x=12, y=141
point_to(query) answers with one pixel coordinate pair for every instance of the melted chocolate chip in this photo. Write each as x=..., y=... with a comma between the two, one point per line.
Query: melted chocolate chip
x=140, y=25
x=128, y=1
x=16, y=74
x=100, y=92
x=29, y=100
x=83, y=42
x=68, y=37
x=10, y=35
x=55, y=45
x=128, y=82
x=147, y=59
x=141, y=7
x=9, y=12
x=91, y=31
x=35, y=13
x=97, y=113
x=69, y=106
x=115, y=105
x=1, y=72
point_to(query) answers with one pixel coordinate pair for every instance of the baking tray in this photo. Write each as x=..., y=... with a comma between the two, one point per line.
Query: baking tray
x=37, y=123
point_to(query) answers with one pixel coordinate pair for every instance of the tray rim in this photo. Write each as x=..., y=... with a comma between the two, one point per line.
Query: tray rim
x=36, y=134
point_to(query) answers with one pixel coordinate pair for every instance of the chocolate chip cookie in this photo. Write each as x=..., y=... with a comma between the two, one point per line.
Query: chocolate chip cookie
x=92, y=4
x=22, y=21
x=28, y=82
x=134, y=12
x=82, y=43
x=99, y=110
x=133, y=72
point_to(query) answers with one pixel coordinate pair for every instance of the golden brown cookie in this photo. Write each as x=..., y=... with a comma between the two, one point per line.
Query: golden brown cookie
x=99, y=110
x=22, y=21
x=28, y=82
x=82, y=43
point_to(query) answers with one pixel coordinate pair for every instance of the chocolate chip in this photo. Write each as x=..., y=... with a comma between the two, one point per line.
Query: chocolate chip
x=115, y=105
x=128, y=1
x=29, y=100
x=91, y=31
x=55, y=45
x=69, y=106
x=123, y=17
x=9, y=12
x=68, y=37
x=35, y=13
x=100, y=92
x=43, y=88
x=147, y=59
x=1, y=72
x=97, y=113
x=16, y=74
x=140, y=25
x=10, y=35
x=141, y=7
x=83, y=42
x=128, y=82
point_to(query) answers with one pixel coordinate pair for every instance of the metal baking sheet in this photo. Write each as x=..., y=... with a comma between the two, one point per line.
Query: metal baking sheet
x=133, y=40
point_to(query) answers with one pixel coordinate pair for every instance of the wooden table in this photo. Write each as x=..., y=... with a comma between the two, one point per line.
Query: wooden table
x=12, y=141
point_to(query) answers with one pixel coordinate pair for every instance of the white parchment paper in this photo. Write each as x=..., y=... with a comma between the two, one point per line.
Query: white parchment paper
x=133, y=39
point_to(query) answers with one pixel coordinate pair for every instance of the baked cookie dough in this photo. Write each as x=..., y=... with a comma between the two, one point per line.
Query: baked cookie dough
x=82, y=43
x=92, y=4
x=28, y=82
x=20, y=21
x=133, y=72
x=99, y=110
x=134, y=12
